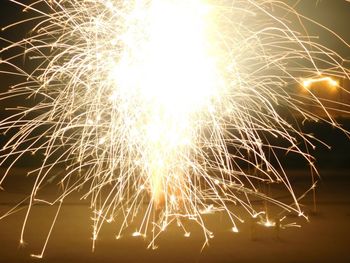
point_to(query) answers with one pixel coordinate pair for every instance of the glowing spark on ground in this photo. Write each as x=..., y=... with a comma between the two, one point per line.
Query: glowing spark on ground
x=164, y=109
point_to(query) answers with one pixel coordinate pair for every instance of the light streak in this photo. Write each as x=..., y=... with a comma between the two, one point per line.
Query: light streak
x=161, y=108
x=331, y=82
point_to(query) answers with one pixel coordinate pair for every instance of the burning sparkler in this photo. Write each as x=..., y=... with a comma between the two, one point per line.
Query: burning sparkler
x=166, y=103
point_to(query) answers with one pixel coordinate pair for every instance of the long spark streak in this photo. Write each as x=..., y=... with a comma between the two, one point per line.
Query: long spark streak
x=167, y=103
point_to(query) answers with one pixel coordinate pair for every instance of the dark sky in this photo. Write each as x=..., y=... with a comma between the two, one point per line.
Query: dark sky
x=335, y=15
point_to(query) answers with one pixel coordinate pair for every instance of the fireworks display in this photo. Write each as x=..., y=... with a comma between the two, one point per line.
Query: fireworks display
x=165, y=110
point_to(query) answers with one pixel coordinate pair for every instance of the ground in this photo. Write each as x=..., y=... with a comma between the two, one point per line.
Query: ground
x=325, y=238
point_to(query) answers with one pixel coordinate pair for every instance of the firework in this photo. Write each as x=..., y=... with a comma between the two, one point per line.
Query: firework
x=161, y=108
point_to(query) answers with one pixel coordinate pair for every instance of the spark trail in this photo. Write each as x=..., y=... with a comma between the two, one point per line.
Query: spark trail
x=159, y=109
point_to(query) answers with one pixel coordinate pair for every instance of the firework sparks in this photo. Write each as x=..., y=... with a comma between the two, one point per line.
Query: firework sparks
x=165, y=103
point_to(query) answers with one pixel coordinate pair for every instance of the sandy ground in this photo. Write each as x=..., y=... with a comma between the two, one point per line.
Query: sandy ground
x=326, y=238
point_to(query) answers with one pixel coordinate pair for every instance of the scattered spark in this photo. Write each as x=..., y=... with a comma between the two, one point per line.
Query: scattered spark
x=136, y=234
x=187, y=234
x=269, y=223
x=163, y=109
x=235, y=230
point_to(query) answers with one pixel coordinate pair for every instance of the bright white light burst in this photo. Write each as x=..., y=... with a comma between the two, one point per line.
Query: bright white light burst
x=165, y=109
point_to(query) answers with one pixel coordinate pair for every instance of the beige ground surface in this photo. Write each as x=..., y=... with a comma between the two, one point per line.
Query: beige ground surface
x=326, y=238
